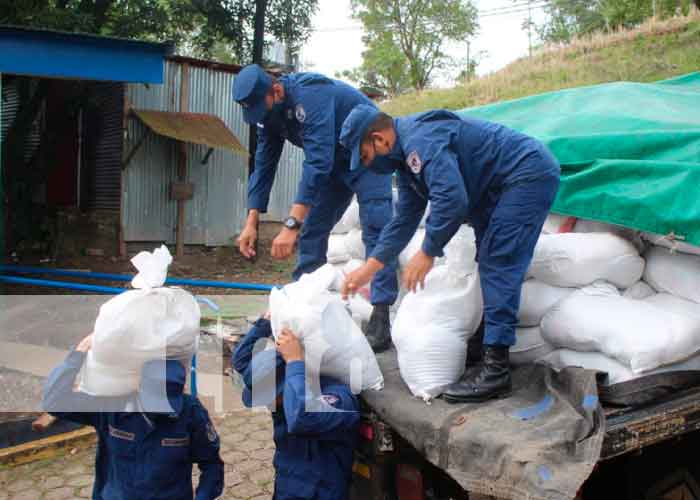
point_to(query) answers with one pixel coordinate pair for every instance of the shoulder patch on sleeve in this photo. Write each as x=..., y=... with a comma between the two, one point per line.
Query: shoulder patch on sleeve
x=299, y=113
x=212, y=436
x=329, y=399
x=414, y=163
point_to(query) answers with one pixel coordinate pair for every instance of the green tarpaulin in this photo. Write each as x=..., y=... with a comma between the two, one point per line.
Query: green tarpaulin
x=630, y=152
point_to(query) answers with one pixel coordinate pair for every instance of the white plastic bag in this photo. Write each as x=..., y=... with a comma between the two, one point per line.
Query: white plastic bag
x=672, y=243
x=413, y=246
x=350, y=219
x=639, y=291
x=640, y=335
x=617, y=372
x=431, y=329
x=536, y=299
x=354, y=245
x=337, y=252
x=334, y=345
x=673, y=272
x=529, y=346
x=138, y=326
x=674, y=304
x=579, y=259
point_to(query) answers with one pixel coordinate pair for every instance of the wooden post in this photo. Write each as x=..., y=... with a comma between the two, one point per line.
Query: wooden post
x=125, y=124
x=182, y=161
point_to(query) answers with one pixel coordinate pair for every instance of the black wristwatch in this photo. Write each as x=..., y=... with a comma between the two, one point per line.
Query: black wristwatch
x=292, y=223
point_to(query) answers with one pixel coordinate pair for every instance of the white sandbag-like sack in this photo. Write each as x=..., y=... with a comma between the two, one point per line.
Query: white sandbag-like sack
x=138, y=326
x=617, y=372
x=337, y=252
x=354, y=244
x=536, y=299
x=673, y=272
x=432, y=326
x=671, y=243
x=464, y=241
x=593, y=226
x=350, y=219
x=412, y=248
x=640, y=335
x=529, y=346
x=579, y=259
x=639, y=291
x=674, y=304
x=333, y=343
x=553, y=223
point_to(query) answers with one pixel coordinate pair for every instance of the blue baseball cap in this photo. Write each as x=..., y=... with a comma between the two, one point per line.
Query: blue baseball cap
x=250, y=87
x=354, y=128
x=263, y=379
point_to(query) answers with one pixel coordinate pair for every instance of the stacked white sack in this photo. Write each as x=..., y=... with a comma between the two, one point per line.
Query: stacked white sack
x=671, y=243
x=637, y=333
x=432, y=326
x=673, y=272
x=529, y=346
x=333, y=343
x=140, y=325
x=350, y=219
x=536, y=299
x=579, y=259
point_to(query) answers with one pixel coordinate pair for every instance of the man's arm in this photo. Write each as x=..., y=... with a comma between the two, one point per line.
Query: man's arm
x=267, y=156
x=409, y=212
x=336, y=411
x=241, y=357
x=205, y=453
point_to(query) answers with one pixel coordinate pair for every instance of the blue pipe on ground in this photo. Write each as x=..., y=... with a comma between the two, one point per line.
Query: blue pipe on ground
x=62, y=284
x=123, y=277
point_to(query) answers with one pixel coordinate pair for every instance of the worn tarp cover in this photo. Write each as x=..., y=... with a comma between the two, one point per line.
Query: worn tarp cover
x=541, y=443
x=630, y=152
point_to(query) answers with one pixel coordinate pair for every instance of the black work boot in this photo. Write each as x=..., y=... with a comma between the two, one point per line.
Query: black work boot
x=475, y=347
x=491, y=380
x=378, y=331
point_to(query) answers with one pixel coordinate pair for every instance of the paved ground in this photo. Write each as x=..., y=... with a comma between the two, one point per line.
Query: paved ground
x=246, y=449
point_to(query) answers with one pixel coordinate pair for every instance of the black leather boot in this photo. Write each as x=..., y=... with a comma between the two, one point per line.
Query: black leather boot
x=378, y=331
x=475, y=347
x=491, y=380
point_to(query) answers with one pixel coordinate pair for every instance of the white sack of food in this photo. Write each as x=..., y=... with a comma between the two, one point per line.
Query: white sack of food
x=640, y=335
x=673, y=272
x=553, y=223
x=354, y=244
x=593, y=226
x=138, y=326
x=639, y=291
x=674, y=304
x=579, y=259
x=464, y=241
x=412, y=248
x=672, y=243
x=337, y=252
x=333, y=343
x=617, y=372
x=529, y=346
x=432, y=326
x=350, y=219
x=536, y=298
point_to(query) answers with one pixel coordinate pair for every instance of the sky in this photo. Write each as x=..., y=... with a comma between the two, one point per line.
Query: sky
x=336, y=43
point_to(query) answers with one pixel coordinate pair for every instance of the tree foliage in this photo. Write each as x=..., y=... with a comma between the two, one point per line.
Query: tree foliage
x=406, y=39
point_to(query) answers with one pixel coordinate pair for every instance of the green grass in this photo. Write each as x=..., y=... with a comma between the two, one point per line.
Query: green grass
x=654, y=51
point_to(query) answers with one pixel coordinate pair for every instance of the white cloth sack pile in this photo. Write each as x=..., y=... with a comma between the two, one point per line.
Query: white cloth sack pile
x=350, y=219
x=640, y=290
x=579, y=259
x=432, y=326
x=673, y=272
x=345, y=247
x=334, y=345
x=672, y=243
x=617, y=372
x=149, y=323
x=637, y=333
x=536, y=299
x=529, y=346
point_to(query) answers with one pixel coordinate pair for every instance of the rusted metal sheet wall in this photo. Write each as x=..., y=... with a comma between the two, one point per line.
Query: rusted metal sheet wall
x=219, y=206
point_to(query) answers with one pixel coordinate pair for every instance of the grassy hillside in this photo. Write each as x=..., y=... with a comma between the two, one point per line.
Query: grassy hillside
x=653, y=51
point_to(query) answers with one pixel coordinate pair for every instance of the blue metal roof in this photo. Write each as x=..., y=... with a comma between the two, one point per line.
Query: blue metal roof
x=55, y=54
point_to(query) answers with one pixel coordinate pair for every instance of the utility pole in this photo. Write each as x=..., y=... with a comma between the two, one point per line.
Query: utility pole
x=653, y=8
x=469, y=61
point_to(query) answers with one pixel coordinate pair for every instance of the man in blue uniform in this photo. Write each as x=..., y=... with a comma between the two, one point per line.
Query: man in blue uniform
x=500, y=181
x=148, y=441
x=315, y=432
x=308, y=110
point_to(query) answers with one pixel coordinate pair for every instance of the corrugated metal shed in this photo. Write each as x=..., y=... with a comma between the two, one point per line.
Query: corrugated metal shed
x=219, y=206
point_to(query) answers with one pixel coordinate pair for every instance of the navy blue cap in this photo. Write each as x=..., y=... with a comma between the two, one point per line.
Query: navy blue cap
x=263, y=379
x=250, y=87
x=354, y=128
x=162, y=386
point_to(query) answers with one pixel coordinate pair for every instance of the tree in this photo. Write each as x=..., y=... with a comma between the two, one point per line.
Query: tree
x=406, y=38
x=566, y=20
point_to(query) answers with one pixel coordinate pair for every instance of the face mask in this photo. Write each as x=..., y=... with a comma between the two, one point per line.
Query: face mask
x=386, y=164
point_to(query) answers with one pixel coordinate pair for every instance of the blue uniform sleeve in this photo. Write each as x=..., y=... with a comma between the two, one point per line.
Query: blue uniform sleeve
x=409, y=211
x=205, y=453
x=241, y=357
x=323, y=416
x=319, y=135
x=267, y=156
x=59, y=395
x=449, y=202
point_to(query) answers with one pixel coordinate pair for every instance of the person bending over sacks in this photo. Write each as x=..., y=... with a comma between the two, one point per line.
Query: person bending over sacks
x=314, y=431
x=147, y=441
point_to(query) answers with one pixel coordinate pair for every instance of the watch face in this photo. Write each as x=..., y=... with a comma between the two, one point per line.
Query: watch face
x=290, y=223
